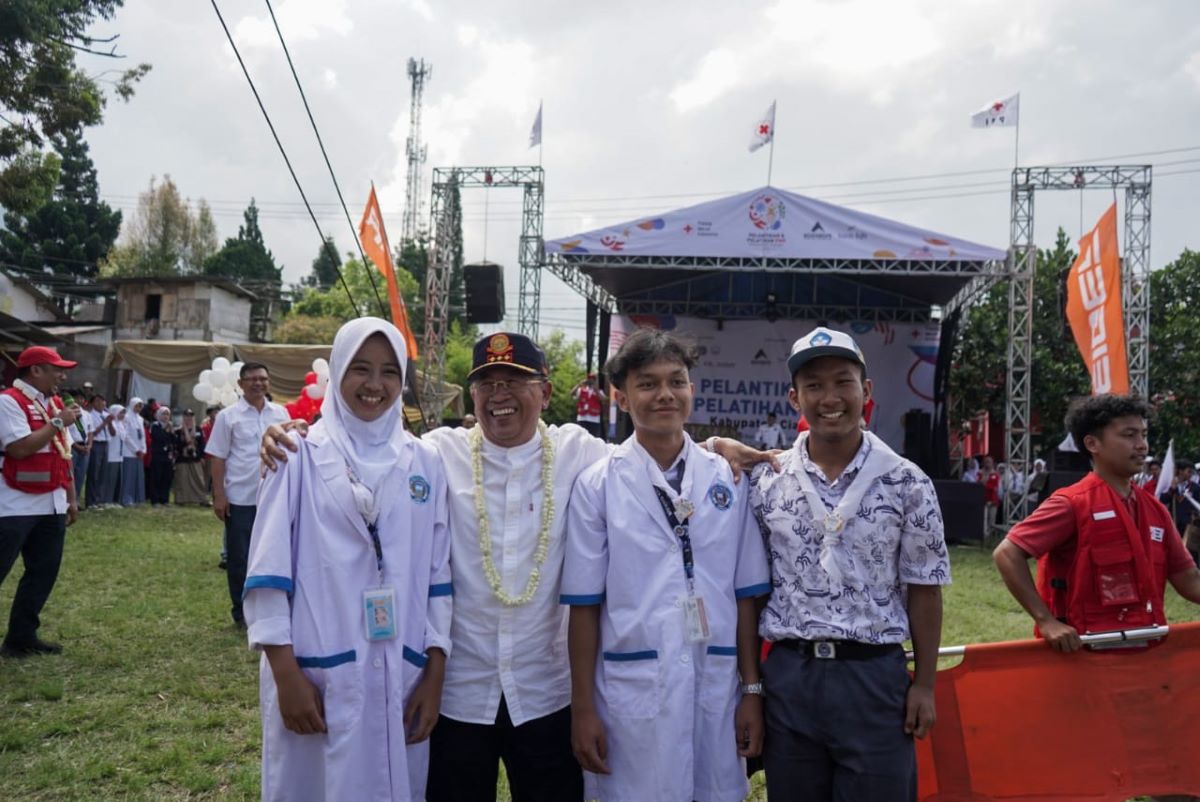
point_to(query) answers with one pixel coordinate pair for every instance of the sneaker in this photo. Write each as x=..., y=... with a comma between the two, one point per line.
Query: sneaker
x=35, y=646
x=222, y=564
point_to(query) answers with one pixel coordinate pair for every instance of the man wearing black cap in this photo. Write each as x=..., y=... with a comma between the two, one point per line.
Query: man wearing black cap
x=37, y=494
x=858, y=556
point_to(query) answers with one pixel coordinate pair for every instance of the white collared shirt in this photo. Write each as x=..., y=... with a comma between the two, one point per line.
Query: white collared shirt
x=520, y=652
x=96, y=424
x=14, y=426
x=236, y=437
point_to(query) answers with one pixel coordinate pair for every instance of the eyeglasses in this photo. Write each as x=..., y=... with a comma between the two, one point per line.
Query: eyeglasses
x=492, y=387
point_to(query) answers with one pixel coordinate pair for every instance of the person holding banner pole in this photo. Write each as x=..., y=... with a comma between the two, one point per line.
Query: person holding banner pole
x=1105, y=547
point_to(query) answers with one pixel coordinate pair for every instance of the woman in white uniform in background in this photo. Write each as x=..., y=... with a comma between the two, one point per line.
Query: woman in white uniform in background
x=110, y=479
x=348, y=590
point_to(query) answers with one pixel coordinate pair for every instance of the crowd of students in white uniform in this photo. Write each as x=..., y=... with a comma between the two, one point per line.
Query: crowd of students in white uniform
x=529, y=594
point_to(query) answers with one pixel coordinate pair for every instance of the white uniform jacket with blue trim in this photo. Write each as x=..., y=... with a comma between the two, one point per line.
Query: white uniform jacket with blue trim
x=311, y=558
x=667, y=704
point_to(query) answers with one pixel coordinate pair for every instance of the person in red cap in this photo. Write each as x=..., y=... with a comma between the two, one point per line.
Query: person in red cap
x=37, y=496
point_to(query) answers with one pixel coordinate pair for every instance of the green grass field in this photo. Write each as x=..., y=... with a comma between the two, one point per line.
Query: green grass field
x=155, y=697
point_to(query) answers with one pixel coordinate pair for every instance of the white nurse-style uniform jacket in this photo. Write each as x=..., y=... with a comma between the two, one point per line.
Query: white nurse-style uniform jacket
x=311, y=559
x=667, y=703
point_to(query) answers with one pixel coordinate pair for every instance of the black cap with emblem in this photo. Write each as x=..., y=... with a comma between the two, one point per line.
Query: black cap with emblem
x=508, y=349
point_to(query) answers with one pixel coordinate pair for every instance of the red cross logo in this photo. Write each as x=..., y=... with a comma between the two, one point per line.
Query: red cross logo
x=764, y=129
x=687, y=229
x=997, y=107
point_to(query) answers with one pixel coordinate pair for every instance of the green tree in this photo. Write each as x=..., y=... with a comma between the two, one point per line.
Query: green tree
x=245, y=258
x=977, y=379
x=163, y=238
x=72, y=232
x=43, y=93
x=565, y=358
x=324, y=267
x=1174, y=356
x=335, y=303
x=306, y=330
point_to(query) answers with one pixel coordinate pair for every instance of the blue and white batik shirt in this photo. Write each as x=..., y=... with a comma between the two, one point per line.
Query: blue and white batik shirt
x=894, y=538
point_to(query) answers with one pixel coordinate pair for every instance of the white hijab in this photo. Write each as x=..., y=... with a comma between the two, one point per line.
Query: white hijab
x=370, y=448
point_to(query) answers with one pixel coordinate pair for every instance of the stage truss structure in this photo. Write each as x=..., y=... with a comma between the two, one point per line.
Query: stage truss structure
x=445, y=223
x=1135, y=283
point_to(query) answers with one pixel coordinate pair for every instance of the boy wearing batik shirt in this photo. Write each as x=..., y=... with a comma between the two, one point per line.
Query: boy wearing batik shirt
x=663, y=565
x=858, y=556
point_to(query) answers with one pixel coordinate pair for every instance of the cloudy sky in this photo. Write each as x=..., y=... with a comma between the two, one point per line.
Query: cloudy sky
x=649, y=106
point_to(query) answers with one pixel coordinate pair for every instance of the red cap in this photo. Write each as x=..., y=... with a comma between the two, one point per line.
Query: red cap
x=41, y=355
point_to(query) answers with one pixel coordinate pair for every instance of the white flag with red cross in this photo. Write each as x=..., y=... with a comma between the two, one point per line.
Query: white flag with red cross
x=999, y=113
x=764, y=131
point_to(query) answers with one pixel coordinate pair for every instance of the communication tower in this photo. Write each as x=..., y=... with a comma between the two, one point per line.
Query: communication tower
x=418, y=73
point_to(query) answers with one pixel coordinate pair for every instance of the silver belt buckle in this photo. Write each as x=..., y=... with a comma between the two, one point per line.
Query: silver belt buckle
x=824, y=650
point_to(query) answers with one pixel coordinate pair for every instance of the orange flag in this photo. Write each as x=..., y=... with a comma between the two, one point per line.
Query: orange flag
x=1094, y=307
x=375, y=244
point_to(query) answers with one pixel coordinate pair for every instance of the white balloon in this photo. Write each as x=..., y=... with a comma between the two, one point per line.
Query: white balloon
x=321, y=367
x=205, y=376
x=235, y=370
x=220, y=363
x=228, y=397
x=203, y=392
x=323, y=381
x=315, y=391
x=218, y=378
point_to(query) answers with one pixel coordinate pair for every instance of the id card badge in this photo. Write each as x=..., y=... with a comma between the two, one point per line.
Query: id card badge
x=697, y=619
x=379, y=608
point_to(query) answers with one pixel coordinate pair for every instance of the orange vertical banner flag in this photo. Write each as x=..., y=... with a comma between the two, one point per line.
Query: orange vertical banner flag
x=1094, y=307
x=375, y=245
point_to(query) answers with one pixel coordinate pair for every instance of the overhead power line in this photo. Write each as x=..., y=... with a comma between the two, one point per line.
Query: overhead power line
x=332, y=176
x=279, y=144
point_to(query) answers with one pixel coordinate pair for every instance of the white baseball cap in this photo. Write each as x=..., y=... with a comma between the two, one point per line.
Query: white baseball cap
x=824, y=342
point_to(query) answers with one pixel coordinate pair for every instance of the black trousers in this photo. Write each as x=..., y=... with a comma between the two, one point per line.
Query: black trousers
x=238, y=524
x=159, y=480
x=835, y=729
x=95, y=477
x=39, y=540
x=464, y=760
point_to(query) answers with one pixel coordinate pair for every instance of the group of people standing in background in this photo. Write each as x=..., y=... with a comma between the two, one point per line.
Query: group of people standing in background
x=129, y=454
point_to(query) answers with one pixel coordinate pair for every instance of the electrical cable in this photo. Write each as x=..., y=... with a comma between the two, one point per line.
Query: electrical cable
x=279, y=145
x=353, y=231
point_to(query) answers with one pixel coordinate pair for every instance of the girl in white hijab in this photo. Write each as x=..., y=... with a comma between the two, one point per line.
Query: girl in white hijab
x=348, y=589
x=110, y=477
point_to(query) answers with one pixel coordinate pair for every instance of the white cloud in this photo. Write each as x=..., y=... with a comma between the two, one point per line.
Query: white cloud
x=718, y=73
x=1191, y=68
x=300, y=21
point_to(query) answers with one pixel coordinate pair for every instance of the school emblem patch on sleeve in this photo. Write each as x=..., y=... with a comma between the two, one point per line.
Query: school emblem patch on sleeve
x=418, y=488
x=720, y=495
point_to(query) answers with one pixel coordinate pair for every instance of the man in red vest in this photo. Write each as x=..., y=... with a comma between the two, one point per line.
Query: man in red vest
x=37, y=494
x=1105, y=547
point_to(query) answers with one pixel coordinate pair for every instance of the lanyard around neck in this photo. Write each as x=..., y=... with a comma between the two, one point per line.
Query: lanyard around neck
x=680, y=528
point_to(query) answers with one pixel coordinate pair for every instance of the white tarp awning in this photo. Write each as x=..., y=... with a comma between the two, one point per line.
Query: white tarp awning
x=776, y=224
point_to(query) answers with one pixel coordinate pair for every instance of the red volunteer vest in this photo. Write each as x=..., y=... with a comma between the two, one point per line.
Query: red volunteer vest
x=45, y=471
x=1116, y=576
x=588, y=403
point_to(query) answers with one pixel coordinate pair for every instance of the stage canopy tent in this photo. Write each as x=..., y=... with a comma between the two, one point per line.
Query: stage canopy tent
x=771, y=253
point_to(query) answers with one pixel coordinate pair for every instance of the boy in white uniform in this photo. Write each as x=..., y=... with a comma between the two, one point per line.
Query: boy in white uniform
x=663, y=566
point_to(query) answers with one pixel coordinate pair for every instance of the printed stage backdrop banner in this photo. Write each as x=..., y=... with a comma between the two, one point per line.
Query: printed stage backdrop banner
x=742, y=374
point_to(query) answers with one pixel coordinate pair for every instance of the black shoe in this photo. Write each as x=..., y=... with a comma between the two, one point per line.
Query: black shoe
x=221, y=564
x=35, y=646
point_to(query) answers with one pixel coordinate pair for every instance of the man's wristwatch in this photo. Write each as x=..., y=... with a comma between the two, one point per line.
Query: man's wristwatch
x=752, y=689
x=57, y=423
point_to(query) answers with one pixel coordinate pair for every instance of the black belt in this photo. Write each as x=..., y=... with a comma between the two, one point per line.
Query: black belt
x=839, y=649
